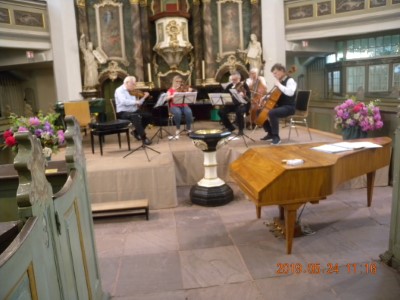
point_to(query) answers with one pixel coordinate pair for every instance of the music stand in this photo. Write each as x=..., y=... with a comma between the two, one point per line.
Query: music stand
x=143, y=147
x=241, y=100
x=188, y=97
x=220, y=98
x=237, y=96
x=160, y=103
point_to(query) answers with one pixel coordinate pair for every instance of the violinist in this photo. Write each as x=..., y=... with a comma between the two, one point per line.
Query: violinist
x=285, y=105
x=238, y=108
x=177, y=109
x=127, y=107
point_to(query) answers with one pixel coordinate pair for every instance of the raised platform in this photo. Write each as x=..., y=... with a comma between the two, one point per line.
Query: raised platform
x=114, y=178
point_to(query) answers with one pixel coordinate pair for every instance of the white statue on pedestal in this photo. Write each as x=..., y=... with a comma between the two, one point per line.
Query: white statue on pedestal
x=90, y=73
x=254, y=52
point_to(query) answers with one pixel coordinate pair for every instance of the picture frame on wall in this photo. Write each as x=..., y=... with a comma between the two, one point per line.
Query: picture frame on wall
x=324, y=8
x=377, y=3
x=230, y=27
x=300, y=12
x=110, y=30
x=343, y=6
x=28, y=18
x=5, y=16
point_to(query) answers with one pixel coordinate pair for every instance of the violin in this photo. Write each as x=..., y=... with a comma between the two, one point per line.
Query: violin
x=137, y=93
x=241, y=89
x=183, y=88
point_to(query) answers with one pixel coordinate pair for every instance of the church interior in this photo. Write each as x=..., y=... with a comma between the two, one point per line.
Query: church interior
x=340, y=241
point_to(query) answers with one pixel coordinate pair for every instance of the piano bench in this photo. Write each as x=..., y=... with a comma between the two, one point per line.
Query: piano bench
x=108, y=128
x=118, y=208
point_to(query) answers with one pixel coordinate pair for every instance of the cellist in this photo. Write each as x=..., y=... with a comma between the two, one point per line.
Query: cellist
x=285, y=106
x=258, y=89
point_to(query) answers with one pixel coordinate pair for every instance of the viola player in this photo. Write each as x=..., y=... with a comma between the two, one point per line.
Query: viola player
x=238, y=108
x=285, y=105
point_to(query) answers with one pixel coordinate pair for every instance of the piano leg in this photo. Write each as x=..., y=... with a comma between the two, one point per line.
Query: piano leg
x=258, y=211
x=370, y=187
x=290, y=221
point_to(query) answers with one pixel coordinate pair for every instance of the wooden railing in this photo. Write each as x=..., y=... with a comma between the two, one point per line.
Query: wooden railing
x=53, y=254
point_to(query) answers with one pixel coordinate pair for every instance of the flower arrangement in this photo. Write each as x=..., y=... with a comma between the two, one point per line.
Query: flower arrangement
x=42, y=126
x=352, y=113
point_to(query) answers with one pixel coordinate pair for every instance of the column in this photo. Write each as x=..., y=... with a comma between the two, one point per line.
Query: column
x=64, y=41
x=137, y=51
x=392, y=256
x=197, y=41
x=273, y=33
x=147, y=49
x=82, y=19
x=256, y=19
x=208, y=48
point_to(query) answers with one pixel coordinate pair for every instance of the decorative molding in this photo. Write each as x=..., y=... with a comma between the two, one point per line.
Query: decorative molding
x=112, y=72
x=81, y=3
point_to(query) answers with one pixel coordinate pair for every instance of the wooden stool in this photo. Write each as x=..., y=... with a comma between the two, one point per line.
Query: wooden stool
x=117, y=208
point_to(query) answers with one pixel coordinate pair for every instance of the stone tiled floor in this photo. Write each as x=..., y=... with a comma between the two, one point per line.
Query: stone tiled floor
x=193, y=252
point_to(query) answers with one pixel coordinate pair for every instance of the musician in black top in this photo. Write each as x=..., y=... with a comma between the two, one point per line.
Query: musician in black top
x=237, y=107
x=285, y=105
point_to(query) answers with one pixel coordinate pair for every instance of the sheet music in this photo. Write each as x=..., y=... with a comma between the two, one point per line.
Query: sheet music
x=189, y=97
x=161, y=100
x=225, y=85
x=220, y=98
x=237, y=96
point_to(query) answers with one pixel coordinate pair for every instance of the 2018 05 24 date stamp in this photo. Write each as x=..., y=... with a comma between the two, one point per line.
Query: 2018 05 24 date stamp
x=328, y=268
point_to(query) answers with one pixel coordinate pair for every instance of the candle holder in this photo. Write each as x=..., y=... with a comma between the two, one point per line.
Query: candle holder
x=211, y=190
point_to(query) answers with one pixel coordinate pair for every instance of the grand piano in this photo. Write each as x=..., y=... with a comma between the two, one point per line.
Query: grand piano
x=264, y=177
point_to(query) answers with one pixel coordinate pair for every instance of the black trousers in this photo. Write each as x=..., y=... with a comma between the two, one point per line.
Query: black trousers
x=239, y=110
x=272, y=124
x=139, y=119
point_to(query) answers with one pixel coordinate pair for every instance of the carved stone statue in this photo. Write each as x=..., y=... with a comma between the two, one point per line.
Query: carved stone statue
x=254, y=52
x=90, y=72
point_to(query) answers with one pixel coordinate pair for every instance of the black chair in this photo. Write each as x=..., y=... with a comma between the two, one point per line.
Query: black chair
x=301, y=114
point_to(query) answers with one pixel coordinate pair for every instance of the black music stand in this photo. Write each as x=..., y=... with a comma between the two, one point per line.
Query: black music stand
x=143, y=147
x=220, y=98
x=241, y=100
x=158, y=106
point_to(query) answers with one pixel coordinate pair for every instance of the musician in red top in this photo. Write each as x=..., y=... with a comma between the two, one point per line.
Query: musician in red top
x=285, y=105
x=177, y=109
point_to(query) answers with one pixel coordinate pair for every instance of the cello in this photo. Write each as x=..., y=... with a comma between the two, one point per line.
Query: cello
x=269, y=101
x=257, y=94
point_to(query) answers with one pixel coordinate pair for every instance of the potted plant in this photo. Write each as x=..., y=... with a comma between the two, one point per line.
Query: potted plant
x=356, y=118
x=42, y=126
